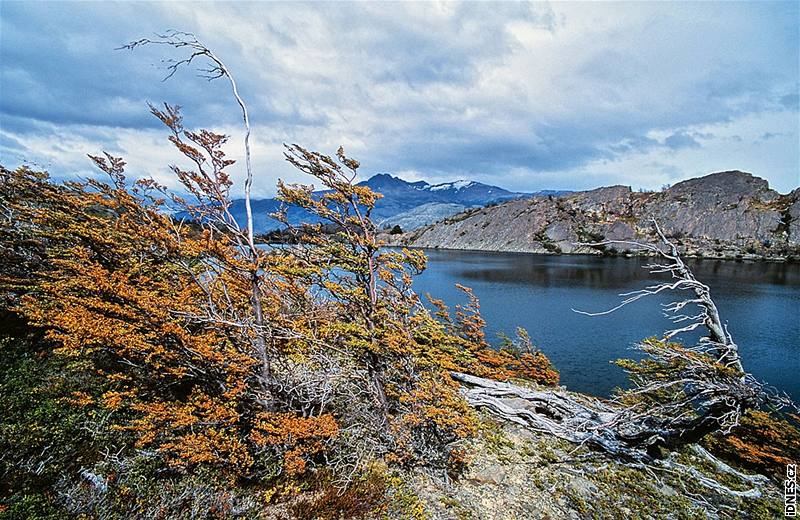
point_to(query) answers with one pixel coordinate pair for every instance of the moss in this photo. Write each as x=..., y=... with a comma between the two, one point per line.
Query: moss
x=449, y=502
x=622, y=488
x=548, y=455
x=495, y=439
x=403, y=501
x=32, y=507
x=707, y=468
x=38, y=429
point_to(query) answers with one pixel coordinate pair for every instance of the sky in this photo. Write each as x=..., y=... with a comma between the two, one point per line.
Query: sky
x=526, y=96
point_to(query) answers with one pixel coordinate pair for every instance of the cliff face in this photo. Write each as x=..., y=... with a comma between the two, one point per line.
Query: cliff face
x=722, y=215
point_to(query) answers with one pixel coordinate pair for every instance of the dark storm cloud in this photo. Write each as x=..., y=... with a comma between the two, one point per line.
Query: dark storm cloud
x=440, y=89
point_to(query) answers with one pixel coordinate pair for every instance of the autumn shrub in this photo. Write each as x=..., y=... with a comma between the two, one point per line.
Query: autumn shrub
x=761, y=442
x=363, y=497
x=185, y=342
x=470, y=352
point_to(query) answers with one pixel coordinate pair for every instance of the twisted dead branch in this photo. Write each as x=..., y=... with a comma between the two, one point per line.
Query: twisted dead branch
x=590, y=422
x=679, y=394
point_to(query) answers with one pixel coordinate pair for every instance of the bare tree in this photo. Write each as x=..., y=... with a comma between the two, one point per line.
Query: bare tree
x=718, y=342
x=215, y=68
x=679, y=394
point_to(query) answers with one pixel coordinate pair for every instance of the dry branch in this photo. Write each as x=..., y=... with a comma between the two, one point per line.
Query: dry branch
x=679, y=394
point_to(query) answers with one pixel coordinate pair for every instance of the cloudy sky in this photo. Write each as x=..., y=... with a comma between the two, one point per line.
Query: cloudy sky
x=525, y=96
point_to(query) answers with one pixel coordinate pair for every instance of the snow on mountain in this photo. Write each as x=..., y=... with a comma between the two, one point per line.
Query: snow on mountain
x=457, y=185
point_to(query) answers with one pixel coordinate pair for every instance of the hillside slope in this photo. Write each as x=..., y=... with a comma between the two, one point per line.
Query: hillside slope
x=729, y=214
x=423, y=215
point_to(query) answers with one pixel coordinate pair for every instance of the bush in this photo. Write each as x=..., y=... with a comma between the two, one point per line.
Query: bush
x=218, y=360
x=762, y=443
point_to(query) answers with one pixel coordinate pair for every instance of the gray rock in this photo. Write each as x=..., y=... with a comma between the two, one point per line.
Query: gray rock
x=793, y=214
x=722, y=215
x=423, y=215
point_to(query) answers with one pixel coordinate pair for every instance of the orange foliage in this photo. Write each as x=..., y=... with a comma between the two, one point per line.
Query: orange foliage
x=119, y=288
x=299, y=437
x=434, y=405
x=761, y=442
x=197, y=334
x=514, y=360
x=504, y=365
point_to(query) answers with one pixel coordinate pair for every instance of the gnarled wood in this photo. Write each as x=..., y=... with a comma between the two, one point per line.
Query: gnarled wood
x=591, y=422
x=581, y=420
x=684, y=393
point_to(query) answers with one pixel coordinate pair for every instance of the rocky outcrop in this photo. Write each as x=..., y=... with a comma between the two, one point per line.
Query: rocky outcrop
x=723, y=215
x=791, y=218
x=423, y=215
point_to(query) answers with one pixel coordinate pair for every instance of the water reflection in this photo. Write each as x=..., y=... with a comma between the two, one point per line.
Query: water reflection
x=602, y=273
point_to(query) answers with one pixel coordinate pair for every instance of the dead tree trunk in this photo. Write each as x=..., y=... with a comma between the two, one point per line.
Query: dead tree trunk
x=681, y=395
x=215, y=69
x=578, y=419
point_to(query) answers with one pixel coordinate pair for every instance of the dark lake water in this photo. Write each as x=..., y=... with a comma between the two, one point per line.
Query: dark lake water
x=759, y=301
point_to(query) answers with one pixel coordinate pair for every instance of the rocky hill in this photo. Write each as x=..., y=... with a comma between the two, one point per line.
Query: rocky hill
x=729, y=214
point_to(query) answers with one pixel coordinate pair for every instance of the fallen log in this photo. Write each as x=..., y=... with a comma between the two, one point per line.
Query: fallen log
x=586, y=421
x=578, y=419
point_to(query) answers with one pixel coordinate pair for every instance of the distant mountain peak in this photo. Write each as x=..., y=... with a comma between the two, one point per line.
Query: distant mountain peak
x=400, y=197
x=383, y=179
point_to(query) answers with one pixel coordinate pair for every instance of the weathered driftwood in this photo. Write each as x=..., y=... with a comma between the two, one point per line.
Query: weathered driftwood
x=586, y=421
x=578, y=419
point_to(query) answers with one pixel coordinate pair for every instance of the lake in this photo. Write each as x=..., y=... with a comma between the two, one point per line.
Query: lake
x=759, y=301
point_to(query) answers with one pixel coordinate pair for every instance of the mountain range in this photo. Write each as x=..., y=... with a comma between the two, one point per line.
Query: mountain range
x=730, y=214
x=408, y=204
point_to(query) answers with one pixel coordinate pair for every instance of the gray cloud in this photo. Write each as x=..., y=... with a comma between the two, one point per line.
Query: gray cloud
x=681, y=140
x=443, y=90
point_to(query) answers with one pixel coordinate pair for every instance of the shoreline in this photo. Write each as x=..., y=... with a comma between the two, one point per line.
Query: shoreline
x=753, y=258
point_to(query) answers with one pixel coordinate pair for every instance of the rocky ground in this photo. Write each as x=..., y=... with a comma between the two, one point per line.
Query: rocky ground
x=732, y=215
x=516, y=474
